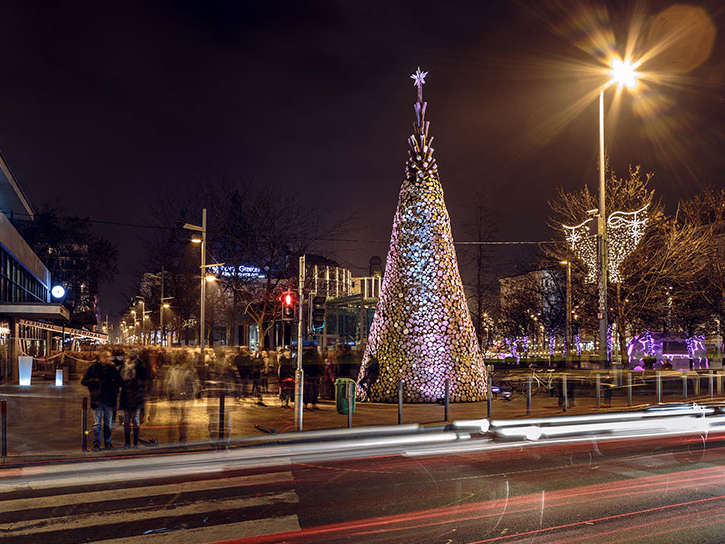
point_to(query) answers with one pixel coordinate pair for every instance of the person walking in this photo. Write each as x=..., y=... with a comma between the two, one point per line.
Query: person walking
x=182, y=386
x=134, y=374
x=103, y=382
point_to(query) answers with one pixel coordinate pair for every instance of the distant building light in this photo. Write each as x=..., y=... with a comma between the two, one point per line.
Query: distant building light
x=241, y=271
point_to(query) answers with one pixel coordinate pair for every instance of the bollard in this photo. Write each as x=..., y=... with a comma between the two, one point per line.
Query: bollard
x=659, y=387
x=696, y=384
x=564, y=392
x=599, y=391
x=350, y=393
x=710, y=383
x=528, y=395
x=221, y=415
x=489, y=404
x=684, y=385
x=447, y=399
x=400, y=402
x=84, y=424
x=4, y=425
x=629, y=389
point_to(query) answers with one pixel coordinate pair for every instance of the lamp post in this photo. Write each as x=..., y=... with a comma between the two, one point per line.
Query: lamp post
x=623, y=74
x=143, y=320
x=202, y=230
x=567, y=342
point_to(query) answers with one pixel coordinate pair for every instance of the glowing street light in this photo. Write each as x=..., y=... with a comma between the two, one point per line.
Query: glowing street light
x=623, y=74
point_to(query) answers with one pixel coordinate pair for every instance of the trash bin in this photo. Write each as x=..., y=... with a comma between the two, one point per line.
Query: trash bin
x=342, y=386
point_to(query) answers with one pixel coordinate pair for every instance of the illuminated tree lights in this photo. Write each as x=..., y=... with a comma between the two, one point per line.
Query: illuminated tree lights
x=624, y=232
x=422, y=333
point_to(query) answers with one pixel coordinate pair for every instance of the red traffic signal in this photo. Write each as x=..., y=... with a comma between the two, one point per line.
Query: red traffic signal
x=288, y=300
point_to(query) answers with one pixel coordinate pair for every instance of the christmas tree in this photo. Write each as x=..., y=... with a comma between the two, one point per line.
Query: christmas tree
x=422, y=332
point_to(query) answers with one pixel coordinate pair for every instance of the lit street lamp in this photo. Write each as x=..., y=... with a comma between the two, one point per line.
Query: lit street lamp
x=202, y=230
x=623, y=74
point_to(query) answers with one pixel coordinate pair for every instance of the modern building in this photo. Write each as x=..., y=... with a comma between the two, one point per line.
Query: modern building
x=30, y=323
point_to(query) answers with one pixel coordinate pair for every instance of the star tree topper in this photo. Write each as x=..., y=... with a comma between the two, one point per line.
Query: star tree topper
x=418, y=81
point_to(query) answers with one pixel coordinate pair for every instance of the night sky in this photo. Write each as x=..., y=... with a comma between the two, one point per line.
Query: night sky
x=106, y=108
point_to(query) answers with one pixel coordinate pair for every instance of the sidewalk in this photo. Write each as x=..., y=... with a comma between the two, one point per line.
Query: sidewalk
x=43, y=419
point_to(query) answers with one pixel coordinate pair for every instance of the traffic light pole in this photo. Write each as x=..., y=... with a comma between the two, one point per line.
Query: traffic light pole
x=299, y=374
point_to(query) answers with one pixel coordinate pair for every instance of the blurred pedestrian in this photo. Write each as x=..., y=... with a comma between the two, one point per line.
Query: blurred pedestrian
x=370, y=376
x=286, y=376
x=224, y=381
x=103, y=382
x=244, y=366
x=134, y=374
x=257, y=369
x=311, y=368
x=182, y=386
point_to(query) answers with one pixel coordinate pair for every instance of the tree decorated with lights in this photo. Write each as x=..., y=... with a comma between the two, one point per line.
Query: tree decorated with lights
x=654, y=259
x=422, y=333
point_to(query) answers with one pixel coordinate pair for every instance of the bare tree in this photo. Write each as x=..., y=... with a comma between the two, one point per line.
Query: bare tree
x=662, y=266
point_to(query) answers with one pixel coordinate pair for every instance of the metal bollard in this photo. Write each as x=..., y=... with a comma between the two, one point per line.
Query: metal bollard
x=629, y=389
x=400, y=402
x=350, y=397
x=528, y=395
x=684, y=385
x=696, y=384
x=84, y=424
x=489, y=403
x=4, y=425
x=710, y=384
x=221, y=415
x=564, y=392
x=599, y=391
x=659, y=387
x=447, y=399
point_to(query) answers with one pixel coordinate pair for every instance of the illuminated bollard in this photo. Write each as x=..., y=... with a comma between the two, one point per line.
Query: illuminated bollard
x=59, y=377
x=659, y=387
x=564, y=392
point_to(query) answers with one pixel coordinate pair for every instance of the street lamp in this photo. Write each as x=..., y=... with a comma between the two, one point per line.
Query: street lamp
x=202, y=241
x=143, y=320
x=567, y=342
x=623, y=74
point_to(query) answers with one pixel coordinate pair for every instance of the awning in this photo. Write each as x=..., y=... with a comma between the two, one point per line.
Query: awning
x=78, y=333
x=35, y=310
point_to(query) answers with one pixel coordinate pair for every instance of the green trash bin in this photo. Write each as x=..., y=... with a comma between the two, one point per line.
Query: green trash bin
x=341, y=394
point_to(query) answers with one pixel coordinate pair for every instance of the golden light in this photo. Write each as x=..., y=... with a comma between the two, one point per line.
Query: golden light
x=623, y=73
x=210, y=277
x=196, y=240
x=167, y=305
x=563, y=262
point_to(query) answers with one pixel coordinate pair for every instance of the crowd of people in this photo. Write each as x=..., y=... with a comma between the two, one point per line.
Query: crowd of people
x=133, y=379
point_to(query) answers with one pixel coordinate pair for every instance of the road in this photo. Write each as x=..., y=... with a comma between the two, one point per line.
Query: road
x=619, y=489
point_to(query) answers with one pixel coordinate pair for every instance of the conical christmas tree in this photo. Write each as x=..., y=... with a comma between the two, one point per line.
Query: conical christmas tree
x=422, y=332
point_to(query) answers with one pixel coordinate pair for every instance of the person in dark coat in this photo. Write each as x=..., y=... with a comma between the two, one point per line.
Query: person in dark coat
x=103, y=382
x=134, y=374
x=311, y=365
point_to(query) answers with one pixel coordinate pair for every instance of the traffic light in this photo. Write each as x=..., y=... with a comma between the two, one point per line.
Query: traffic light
x=317, y=319
x=288, y=300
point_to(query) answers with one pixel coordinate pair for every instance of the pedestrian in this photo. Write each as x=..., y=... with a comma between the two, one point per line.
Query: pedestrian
x=286, y=377
x=103, y=382
x=134, y=374
x=224, y=381
x=182, y=386
x=257, y=369
x=244, y=367
x=311, y=368
x=370, y=376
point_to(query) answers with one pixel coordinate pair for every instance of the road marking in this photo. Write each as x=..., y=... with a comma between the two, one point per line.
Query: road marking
x=146, y=491
x=244, y=529
x=81, y=521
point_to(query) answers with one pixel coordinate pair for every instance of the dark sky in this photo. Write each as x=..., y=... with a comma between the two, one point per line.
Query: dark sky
x=105, y=107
